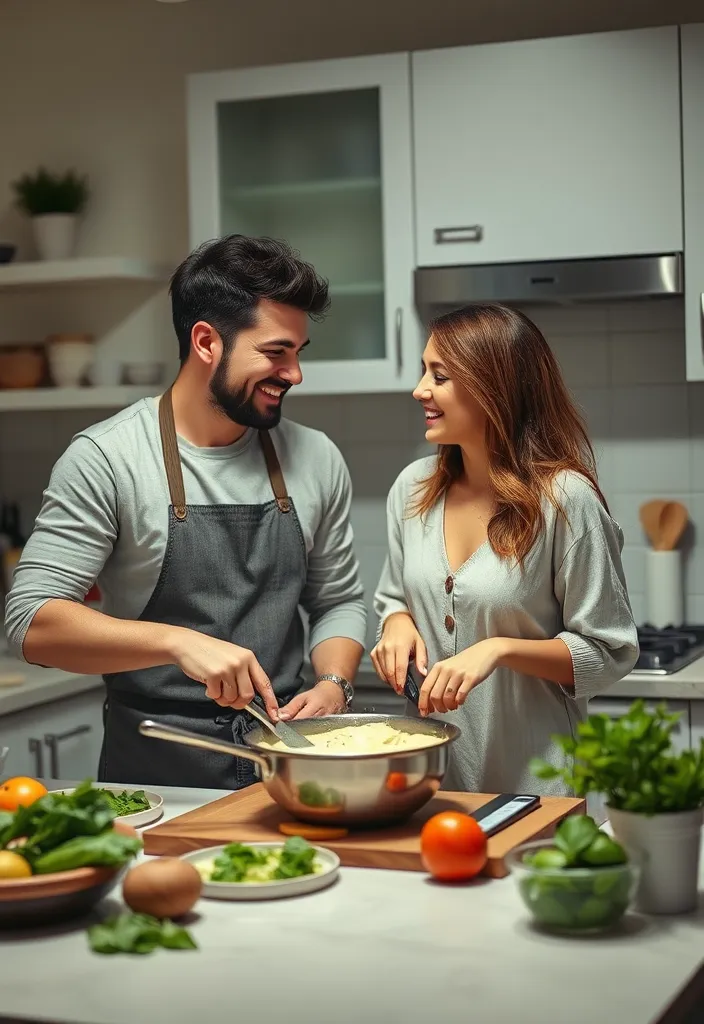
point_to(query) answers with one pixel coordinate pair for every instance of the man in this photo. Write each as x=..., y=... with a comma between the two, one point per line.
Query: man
x=208, y=523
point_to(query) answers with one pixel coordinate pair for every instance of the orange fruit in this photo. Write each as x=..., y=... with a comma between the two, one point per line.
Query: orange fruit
x=20, y=792
x=453, y=846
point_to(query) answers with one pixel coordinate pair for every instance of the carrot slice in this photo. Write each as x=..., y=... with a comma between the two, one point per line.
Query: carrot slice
x=298, y=828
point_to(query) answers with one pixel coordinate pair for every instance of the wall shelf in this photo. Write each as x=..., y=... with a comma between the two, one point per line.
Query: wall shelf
x=83, y=271
x=118, y=397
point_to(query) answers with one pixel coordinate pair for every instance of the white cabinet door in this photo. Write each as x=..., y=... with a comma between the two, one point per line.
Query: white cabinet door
x=693, y=175
x=61, y=739
x=319, y=154
x=548, y=149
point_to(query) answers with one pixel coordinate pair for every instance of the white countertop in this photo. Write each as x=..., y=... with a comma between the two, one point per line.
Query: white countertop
x=42, y=685
x=378, y=946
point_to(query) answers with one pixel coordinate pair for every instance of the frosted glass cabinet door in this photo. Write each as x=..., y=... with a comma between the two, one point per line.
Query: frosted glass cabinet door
x=548, y=149
x=319, y=154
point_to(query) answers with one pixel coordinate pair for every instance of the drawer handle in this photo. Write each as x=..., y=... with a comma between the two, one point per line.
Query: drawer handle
x=52, y=740
x=399, y=341
x=35, y=747
x=472, y=233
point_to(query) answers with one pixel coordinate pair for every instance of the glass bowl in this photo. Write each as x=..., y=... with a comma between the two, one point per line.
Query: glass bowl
x=575, y=900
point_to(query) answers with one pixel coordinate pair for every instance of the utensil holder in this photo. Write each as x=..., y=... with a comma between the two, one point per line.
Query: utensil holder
x=664, y=596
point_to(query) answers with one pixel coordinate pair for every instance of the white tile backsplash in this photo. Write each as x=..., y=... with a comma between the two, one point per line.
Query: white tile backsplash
x=625, y=366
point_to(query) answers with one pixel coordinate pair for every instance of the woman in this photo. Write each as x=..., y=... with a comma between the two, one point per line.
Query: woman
x=503, y=581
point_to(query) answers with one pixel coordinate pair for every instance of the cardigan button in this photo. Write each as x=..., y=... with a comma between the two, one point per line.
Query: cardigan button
x=449, y=623
x=449, y=584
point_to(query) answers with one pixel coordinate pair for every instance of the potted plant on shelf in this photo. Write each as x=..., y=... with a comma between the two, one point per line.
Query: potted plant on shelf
x=654, y=797
x=54, y=202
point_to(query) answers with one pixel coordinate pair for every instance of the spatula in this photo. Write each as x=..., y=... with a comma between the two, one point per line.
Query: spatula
x=650, y=514
x=284, y=732
x=673, y=523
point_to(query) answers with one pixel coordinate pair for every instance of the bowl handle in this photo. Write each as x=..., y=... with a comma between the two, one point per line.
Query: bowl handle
x=161, y=731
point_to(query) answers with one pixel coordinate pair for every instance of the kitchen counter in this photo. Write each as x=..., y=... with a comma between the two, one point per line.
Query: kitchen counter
x=377, y=946
x=40, y=685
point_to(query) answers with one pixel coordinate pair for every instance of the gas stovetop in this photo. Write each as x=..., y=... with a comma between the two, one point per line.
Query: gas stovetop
x=664, y=651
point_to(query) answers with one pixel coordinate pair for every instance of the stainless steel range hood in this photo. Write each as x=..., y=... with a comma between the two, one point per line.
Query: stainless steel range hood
x=441, y=289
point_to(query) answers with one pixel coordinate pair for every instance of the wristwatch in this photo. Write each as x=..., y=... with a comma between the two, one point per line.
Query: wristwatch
x=347, y=691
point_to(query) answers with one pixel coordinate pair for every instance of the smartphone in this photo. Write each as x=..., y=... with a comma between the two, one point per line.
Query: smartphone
x=411, y=690
x=504, y=810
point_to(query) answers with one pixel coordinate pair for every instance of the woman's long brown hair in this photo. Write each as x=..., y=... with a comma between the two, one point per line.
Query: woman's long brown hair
x=534, y=431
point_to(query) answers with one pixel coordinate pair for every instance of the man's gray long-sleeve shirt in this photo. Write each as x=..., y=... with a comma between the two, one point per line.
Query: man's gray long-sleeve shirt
x=104, y=518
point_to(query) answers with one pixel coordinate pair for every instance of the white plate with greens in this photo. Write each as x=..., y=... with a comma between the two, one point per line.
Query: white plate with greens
x=264, y=871
x=132, y=804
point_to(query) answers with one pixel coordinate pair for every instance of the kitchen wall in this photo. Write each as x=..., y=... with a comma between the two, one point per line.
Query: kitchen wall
x=625, y=364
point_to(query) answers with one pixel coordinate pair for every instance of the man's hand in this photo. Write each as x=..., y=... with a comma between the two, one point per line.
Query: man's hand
x=230, y=674
x=325, y=698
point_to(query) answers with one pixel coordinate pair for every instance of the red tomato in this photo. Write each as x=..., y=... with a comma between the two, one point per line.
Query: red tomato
x=453, y=847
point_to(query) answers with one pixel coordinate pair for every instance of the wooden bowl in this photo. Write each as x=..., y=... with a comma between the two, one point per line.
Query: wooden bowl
x=21, y=366
x=54, y=898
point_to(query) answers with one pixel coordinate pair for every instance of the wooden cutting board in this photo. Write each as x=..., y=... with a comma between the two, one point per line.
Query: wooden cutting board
x=252, y=815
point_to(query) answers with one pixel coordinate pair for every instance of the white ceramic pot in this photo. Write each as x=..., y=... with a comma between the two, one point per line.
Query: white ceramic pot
x=70, y=358
x=55, y=235
x=668, y=847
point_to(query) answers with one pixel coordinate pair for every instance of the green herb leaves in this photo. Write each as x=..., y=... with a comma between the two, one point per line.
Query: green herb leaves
x=240, y=863
x=125, y=802
x=632, y=761
x=62, y=831
x=138, y=933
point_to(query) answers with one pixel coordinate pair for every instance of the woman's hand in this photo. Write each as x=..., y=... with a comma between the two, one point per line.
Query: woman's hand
x=400, y=642
x=448, y=682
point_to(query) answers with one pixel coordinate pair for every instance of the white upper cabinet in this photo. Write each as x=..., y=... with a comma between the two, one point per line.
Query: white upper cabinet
x=549, y=149
x=320, y=154
x=693, y=157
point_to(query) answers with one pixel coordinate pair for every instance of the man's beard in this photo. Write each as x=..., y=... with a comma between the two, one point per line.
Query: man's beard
x=239, y=407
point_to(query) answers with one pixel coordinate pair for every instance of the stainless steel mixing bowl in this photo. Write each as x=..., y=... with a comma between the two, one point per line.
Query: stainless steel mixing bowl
x=338, y=789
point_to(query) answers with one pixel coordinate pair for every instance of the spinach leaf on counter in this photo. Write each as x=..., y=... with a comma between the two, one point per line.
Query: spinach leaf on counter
x=109, y=849
x=126, y=802
x=138, y=933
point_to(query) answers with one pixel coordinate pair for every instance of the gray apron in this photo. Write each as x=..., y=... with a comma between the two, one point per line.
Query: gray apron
x=234, y=572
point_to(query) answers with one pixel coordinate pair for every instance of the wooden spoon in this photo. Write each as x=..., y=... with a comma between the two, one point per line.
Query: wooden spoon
x=673, y=523
x=650, y=514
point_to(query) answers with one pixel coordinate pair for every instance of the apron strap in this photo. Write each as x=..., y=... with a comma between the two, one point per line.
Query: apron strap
x=273, y=467
x=172, y=461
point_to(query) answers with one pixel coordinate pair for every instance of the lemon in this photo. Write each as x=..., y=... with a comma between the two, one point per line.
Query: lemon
x=13, y=866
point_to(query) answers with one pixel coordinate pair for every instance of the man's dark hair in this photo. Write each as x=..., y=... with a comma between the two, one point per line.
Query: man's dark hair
x=222, y=281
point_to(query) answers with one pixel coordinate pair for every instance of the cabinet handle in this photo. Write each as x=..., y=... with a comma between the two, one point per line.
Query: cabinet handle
x=35, y=747
x=399, y=341
x=52, y=740
x=472, y=233
x=702, y=317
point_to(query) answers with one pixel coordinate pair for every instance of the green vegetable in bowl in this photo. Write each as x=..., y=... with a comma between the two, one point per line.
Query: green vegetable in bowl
x=63, y=831
x=584, y=881
x=126, y=802
x=240, y=863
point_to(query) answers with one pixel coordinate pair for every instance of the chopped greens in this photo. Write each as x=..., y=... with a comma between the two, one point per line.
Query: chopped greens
x=138, y=933
x=62, y=831
x=240, y=863
x=126, y=802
